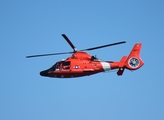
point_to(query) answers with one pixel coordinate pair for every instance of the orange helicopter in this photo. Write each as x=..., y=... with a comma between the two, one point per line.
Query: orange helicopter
x=82, y=64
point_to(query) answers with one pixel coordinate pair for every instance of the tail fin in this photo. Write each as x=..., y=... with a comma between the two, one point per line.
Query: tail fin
x=133, y=61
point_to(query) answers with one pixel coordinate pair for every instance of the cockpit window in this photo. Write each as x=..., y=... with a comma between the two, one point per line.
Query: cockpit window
x=64, y=65
x=55, y=67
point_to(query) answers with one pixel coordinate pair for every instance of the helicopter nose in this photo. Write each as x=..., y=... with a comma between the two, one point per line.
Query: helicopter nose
x=44, y=73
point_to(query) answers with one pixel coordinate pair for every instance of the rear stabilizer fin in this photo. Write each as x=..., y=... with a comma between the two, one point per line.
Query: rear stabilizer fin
x=132, y=62
x=120, y=71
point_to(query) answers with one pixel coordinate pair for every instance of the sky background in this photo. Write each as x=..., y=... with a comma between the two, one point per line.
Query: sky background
x=30, y=27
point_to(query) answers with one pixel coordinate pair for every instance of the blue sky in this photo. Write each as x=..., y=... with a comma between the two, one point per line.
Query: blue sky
x=30, y=27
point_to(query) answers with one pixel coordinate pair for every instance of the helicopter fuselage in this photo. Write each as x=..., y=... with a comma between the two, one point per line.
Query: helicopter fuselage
x=78, y=65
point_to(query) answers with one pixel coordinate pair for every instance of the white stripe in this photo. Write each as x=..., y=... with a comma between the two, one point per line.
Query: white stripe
x=106, y=66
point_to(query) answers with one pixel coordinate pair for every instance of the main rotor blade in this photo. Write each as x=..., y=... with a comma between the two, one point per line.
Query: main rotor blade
x=69, y=42
x=98, y=47
x=48, y=54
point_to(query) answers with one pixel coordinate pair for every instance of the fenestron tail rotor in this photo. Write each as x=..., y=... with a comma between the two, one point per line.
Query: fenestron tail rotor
x=74, y=48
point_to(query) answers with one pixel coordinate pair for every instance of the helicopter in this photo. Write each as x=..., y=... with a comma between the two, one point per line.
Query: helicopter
x=80, y=63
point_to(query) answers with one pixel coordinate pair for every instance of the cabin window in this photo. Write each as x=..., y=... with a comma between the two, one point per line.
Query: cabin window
x=66, y=65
